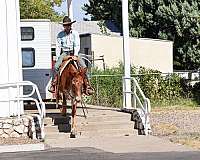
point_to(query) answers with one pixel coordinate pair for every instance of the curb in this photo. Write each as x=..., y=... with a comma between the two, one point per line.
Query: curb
x=22, y=147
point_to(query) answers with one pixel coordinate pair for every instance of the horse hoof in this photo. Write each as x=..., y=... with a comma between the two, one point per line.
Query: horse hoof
x=72, y=135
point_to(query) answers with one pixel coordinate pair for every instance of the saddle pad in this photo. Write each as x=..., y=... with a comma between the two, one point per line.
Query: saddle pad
x=64, y=65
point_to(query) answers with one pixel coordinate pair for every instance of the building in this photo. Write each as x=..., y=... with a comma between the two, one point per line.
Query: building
x=106, y=49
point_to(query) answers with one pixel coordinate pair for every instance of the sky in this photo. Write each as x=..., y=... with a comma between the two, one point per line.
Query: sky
x=78, y=13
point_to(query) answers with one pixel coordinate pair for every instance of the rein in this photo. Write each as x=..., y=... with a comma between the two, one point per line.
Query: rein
x=71, y=90
x=75, y=64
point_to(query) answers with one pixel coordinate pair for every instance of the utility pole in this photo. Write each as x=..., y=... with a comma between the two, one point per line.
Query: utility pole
x=70, y=9
x=126, y=58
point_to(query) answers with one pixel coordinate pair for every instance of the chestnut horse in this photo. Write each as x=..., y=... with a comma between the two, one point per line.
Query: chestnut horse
x=70, y=86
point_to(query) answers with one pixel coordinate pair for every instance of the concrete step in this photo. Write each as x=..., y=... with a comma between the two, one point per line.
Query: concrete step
x=56, y=137
x=106, y=133
x=58, y=128
x=48, y=121
x=109, y=123
x=100, y=122
x=95, y=120
x=91, y=134
x=51, y=129
x=58, y=119
x=86, y=132
x=102, y=126
x=104, y=119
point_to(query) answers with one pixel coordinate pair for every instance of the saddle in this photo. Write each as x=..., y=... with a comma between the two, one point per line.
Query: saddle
x=66, y=60
x=87, y=89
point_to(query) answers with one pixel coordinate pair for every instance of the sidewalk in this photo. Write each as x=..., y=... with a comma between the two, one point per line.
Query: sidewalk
x=22, y=147
x=105, y=128
x=126, y=144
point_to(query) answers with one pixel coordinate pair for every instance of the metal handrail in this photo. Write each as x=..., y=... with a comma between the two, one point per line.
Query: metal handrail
x=21, y=97
x=146, y=106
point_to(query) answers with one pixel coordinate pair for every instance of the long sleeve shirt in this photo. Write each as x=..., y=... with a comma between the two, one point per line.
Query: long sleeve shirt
x=68, y=42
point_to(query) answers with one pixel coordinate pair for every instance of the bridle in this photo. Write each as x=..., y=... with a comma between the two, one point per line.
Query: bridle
x=73, y=90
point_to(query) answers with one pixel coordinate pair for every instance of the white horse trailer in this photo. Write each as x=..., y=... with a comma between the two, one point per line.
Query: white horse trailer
x=36, y=54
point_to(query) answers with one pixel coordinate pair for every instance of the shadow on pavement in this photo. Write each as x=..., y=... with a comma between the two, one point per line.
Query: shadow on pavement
x=86, y=153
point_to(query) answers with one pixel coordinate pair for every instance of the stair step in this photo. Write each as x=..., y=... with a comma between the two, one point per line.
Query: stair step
x=100, y=121
x=100, y=126
x=107, y=133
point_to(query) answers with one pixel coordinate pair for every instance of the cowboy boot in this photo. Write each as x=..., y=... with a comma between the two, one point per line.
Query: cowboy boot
x=87, y=88
x=52, y=88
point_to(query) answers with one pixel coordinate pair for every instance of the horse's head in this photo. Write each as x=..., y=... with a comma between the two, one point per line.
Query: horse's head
x=77, y=83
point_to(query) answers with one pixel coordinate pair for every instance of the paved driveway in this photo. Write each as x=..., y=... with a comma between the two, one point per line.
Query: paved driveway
x=94, y=154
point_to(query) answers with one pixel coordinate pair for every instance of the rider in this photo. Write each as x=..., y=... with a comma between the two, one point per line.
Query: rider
x=68, y=43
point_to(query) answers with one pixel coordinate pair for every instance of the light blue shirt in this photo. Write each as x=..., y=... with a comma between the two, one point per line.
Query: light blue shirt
x=68, y=42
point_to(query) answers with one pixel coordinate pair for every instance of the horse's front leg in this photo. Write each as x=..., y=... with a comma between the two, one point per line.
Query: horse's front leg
x=63, y=109
x=73, y=128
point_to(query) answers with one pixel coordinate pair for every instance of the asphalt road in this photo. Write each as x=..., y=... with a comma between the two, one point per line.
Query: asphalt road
x=94, y=154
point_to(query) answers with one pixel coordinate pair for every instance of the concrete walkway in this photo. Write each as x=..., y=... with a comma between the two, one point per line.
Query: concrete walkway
x=106, y=129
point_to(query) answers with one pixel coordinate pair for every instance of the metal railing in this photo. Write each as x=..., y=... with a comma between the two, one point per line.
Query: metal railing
x=141, y=101
x=164, y=96
x=20, y=97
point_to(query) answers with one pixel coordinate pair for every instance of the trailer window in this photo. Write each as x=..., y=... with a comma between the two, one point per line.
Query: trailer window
x=27, y=33
x=28, y=57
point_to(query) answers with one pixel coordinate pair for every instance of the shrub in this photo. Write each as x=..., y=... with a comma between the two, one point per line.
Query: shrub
x=169, y=89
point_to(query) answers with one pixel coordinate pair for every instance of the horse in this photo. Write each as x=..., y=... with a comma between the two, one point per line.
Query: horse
x=70, y=86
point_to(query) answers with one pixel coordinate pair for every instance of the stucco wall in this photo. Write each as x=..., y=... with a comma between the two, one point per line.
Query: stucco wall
x=154, y=54
x=110, y=47
x=150, y=53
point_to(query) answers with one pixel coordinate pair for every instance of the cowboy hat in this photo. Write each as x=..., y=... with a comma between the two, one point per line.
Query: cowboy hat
x=67, y=21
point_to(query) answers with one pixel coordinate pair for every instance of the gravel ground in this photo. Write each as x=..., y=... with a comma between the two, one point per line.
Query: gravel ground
x=179, y=126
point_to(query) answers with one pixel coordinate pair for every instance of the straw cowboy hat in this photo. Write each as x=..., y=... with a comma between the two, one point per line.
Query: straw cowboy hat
x=67, y=21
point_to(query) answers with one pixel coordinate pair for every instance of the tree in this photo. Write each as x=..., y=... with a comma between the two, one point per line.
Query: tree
x=175, y=20
x=104, y=10
x=39, y=9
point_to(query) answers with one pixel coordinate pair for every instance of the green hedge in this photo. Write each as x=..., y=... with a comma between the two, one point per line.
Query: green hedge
x=108, y=89
x=161, y=89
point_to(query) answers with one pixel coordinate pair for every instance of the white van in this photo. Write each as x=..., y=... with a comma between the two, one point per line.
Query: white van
x=36, y=54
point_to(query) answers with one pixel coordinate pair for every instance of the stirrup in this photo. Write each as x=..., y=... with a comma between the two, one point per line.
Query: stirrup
x=89, y=91
x=52, y=89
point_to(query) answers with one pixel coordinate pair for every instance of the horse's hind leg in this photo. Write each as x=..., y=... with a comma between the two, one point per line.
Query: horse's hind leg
x=73, y=128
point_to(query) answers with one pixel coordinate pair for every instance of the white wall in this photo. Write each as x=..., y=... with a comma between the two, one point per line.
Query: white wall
x=40, y=73
x=149, y=53
x=10, y=51
x=110, y=47
x=41, y=42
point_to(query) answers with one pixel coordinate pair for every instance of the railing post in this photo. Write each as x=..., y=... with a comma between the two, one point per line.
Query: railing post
x=19, y=98
x=97, y=90
x=134, y=95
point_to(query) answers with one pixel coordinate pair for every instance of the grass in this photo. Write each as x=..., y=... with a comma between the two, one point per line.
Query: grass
x=181, y=104
x=165, y=129
x=191, y=140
